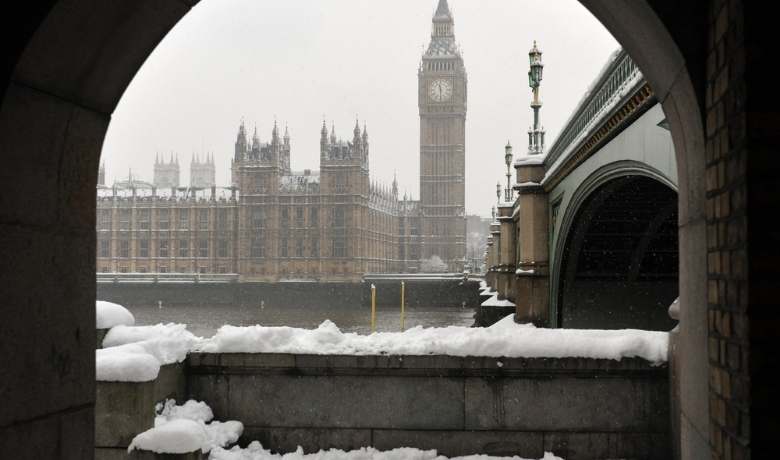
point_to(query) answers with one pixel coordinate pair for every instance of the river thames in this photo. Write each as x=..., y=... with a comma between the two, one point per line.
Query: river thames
x=204, y=320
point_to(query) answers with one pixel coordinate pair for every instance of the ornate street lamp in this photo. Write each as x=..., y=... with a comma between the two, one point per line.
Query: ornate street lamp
x=498, y=192
x=508, y=160
x=535, y=134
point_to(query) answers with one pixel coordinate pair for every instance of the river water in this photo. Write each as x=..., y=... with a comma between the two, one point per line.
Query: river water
x=204, y=321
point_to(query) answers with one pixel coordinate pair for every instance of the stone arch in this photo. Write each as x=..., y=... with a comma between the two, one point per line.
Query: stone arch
x=622, y=287
x=580, y=196
x=71, y=61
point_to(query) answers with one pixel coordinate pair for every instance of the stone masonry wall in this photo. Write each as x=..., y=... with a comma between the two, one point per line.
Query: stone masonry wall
x=576, y=408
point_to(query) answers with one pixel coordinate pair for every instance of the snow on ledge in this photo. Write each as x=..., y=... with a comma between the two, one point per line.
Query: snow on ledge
x=503, y=339
x=255, y=451
x=108, y=315
x=179, y=436
x=494, y=302
x=218, y=434
x=135, y=353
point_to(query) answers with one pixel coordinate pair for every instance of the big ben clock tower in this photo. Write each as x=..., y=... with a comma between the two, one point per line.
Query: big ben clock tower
x=442, y=101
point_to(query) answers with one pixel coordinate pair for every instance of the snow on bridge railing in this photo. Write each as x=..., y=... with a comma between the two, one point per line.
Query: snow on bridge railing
x=605, y=93
x=167, y=277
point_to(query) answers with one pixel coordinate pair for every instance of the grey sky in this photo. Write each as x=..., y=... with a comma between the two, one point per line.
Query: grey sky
x=301, y=59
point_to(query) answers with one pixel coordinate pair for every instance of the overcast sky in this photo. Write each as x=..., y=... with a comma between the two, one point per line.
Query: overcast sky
x=298, y=60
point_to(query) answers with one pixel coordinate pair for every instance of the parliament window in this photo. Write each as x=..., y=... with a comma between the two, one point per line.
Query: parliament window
x=299, y=247
x=124, y=248
x=143, y=217
x=164, y=246
x=314, y=216
x=164, y=217
x=299, y=217
x=104, y=248
x=184, y=248
x=143, y=248
x=124, y=219
x=203, y=248
x=258, y=218
x=222, y=248
x=283, y=248
x=104, y=219
x=203, y=219
x=258, y=247
x=338, y=248
x=184, y=218
x=315, y=247
x=222, y=218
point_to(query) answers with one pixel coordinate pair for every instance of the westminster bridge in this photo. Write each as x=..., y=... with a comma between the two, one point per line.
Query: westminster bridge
x=588, y=238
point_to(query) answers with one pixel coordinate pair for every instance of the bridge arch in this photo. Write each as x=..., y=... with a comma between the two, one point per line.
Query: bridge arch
x=629, y=282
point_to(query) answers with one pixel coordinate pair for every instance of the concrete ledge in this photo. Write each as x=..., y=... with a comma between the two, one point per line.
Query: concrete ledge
x=588, y=408
x=425, y=365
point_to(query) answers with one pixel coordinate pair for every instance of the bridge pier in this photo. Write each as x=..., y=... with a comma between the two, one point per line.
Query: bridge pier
x=506, y=263
x=531, y=223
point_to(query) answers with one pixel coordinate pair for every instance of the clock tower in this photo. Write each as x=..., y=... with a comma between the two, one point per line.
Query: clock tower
x=442, y=101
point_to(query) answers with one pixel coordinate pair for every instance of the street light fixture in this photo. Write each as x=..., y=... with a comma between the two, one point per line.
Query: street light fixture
x=508, y=160
x=536, y=133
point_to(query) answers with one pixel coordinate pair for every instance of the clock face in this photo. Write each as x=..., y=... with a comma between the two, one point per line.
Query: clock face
x=440, y=90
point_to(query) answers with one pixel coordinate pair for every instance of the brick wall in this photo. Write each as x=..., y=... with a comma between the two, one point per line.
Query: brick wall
x=727, y=232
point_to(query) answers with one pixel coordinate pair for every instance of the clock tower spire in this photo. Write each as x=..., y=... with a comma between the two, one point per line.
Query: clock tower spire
x=442, y=95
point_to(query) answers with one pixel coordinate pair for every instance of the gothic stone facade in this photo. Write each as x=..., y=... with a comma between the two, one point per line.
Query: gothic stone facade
x=334, y=224
x=273, y=224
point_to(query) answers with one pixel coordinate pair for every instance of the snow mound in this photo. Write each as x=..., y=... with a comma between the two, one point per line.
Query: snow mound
x=169, y=343
x=503, y=339
x=135, y=353
x=494, y=302
x=175, y=437
x=110, y=314
x=190, y=410
x=255, y=451
x=217, y=434
x=128, y=363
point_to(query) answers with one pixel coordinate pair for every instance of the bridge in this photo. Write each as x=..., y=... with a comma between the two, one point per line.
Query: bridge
x=587, y=235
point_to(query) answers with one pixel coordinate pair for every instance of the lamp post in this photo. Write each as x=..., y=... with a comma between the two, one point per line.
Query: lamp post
x=508, y=160
x=498, y=192
x=535, y=134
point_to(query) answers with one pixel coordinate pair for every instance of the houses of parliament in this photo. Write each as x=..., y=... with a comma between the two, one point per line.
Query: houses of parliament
x=330, y=224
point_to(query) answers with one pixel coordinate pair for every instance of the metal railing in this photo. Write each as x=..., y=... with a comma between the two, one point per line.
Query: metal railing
x=608, y=89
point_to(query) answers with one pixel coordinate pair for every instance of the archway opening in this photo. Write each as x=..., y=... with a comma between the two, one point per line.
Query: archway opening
x=620, y=263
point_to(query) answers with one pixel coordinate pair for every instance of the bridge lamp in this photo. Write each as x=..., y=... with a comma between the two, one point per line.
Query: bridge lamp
x=498, y=191
x=535, y=74
x=508, y=160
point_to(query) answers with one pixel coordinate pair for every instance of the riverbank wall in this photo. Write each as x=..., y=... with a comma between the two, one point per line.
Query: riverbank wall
x=577, y=408
x=445, y=292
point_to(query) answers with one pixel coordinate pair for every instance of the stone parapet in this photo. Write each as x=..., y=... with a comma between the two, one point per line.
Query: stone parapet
x=577, y=408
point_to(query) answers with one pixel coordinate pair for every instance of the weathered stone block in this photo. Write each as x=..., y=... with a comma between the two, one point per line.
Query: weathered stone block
x=122, y=410
x=346, y=401
x=566, y=404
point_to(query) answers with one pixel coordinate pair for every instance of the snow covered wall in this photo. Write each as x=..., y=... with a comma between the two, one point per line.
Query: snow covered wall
x=578, y=408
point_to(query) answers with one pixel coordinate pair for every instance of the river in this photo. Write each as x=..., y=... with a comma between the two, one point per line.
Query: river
x=204, y=321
